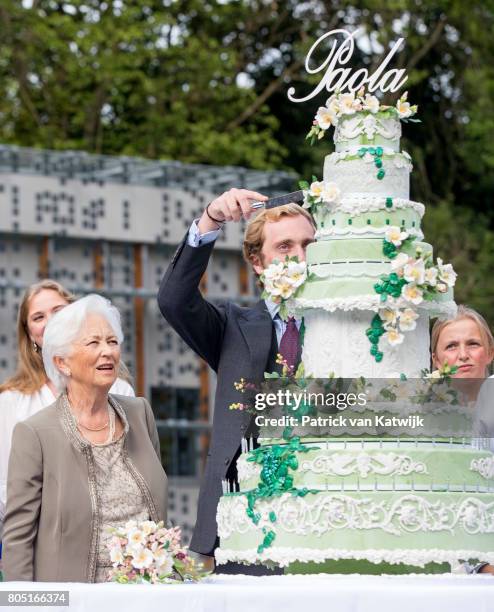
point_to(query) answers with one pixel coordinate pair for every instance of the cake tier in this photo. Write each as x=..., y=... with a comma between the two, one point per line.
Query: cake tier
x=352, y=465
x=379, y=526
x=358, y=176
x=338, y=343
x=347, y=259
x=364, y=250
x=366, y=128
x=337, y=224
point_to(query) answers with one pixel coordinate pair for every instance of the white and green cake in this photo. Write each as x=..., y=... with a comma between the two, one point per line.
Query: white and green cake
x=363, y=504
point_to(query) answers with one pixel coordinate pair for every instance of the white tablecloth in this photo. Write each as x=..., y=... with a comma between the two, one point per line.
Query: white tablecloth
x=335, y=593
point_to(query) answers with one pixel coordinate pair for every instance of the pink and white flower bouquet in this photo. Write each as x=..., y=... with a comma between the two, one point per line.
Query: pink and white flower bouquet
x=149, y=552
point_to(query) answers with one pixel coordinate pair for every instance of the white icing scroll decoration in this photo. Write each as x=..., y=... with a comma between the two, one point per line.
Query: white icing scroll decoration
x=484, y=466
x=370, y=125
x=337, y=78
x=324, y=513
x=247, y=469
x=364, y=464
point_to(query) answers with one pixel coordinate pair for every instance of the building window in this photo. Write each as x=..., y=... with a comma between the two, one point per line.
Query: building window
x=181, y=434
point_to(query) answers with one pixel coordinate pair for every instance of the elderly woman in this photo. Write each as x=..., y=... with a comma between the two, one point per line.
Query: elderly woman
x=29, y=390
x=88, y=461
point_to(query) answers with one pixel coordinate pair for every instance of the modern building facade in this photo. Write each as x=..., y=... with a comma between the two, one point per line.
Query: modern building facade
x=111, y=225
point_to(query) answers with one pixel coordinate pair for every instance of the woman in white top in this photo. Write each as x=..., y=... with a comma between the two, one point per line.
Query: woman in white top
x=29, y=390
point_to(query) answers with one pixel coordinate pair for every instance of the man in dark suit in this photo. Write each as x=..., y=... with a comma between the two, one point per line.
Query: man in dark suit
x=236, y=342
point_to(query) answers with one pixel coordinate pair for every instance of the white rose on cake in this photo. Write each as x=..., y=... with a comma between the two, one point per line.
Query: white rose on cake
x=431, y=276
x=394, y=337
x=414, y=271
x=403, y=107
x=399, y=262
x=389, y=316
x=371, y=103
x=446, y=273
x=325, y=118
x=408, y=319
x=296, y=273
x=412, y=293
x=395, y=235
x=346, y=103
x=330, y=192
x=316, y=190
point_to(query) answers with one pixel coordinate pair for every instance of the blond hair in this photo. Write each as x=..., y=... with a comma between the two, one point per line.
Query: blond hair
x=254, y=234
x=464, y=312
x=30, y=375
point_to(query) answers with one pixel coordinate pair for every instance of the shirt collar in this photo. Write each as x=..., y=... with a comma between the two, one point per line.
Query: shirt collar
x=273, y=308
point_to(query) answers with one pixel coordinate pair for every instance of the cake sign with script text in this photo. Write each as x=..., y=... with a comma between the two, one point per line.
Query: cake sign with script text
x=338, y=78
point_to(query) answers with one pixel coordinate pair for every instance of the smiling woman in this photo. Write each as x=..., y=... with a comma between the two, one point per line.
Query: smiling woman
x=30, y=390
x=88, y=462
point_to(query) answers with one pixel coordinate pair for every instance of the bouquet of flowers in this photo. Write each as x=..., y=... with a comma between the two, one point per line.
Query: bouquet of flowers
x=149, y=552
x=281, y=280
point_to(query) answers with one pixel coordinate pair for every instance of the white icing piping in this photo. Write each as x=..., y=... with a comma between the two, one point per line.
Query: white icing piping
x=366, y=203
x=283, y=556
x=424, y=488
x=356, y=445
x=361, y=232
x=369, y=302
x=331, y=270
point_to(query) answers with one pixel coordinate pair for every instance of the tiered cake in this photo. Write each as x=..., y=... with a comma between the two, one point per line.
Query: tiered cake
x=371, y=180
x=363, y=504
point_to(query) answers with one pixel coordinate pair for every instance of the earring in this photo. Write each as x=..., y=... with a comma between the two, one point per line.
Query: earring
x=35, y=347
x=67, y=372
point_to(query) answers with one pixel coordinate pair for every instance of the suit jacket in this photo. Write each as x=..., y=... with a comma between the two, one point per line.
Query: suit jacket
x=235, y=342
x=52, y=521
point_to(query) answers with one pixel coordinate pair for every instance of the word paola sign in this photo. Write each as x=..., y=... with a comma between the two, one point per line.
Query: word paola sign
x=337, y=78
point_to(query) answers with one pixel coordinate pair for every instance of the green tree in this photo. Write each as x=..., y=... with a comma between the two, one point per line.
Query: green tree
x=205, y=81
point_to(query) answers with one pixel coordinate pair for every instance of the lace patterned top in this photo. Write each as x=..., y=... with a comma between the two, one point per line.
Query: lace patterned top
x=120, y=498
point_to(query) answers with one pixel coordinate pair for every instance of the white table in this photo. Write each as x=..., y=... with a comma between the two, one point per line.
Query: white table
x=330, y=593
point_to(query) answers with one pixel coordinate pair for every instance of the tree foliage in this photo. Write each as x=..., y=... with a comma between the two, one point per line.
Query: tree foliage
x=206, y=81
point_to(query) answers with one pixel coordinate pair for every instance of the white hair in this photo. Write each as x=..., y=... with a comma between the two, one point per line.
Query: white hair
x=65, y=326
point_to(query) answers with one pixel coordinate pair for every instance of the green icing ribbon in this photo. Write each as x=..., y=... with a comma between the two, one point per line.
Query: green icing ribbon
x=277, y=461
x=374, y=333
x=377, y=154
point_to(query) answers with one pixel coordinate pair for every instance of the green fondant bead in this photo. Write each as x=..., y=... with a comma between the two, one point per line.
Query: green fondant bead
x=372, y=151
x=368, y=221
x=361, y=152
x=387, y=221
x=380, y=174
x=349, y=221
x=378, y=163
x=389, y=202
x=379, y=151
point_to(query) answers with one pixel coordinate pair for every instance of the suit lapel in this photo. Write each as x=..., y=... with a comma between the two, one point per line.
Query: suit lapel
x=256, y=326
